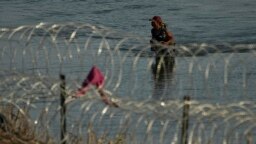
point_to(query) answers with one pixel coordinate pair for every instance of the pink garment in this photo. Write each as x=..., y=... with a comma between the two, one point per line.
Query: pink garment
x=95, y=78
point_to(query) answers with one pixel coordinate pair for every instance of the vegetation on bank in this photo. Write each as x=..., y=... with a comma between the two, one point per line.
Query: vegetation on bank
x=16, y=128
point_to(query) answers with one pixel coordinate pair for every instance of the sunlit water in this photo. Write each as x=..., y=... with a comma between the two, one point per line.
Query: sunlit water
x=211, y=77
x=207, y=21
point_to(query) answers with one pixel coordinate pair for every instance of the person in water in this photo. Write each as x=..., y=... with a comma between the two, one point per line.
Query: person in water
x=162, y=43
x=160, y=34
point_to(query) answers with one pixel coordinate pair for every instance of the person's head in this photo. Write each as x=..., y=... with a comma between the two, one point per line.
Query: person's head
x=156, y=22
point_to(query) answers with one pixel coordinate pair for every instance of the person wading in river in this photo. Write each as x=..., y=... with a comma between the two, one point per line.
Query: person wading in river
x=162, y=43
x=160, y=34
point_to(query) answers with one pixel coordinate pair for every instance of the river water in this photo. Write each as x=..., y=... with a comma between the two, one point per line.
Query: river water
x=220, y=34
x=228, y=26
x=230, y=21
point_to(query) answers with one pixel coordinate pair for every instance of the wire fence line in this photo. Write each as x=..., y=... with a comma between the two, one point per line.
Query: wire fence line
x=219, y=79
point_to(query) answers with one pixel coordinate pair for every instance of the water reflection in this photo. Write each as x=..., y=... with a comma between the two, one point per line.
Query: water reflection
x=162, y=71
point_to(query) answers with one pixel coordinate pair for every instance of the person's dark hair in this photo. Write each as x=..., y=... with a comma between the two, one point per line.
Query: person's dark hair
x=157, y=19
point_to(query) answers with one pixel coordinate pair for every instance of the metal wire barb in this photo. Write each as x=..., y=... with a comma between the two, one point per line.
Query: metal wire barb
x=142, y=104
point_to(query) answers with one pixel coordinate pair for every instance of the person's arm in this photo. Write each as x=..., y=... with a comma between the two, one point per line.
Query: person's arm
x=170, y=38
x=153, y=40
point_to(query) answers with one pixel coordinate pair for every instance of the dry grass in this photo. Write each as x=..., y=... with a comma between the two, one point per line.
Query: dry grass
x=16, y=127
x=94, y=139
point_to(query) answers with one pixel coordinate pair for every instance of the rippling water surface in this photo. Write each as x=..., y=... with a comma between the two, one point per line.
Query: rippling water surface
x=220, y=34
x=196, y=21
x=196, y=24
